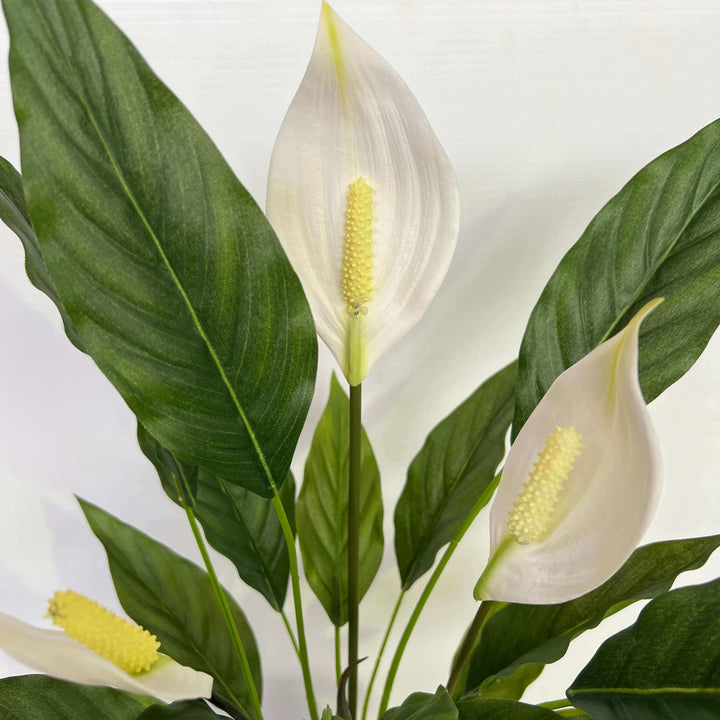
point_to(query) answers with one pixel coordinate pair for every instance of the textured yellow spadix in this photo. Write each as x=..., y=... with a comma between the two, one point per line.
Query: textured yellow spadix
x=357, y=255
x=127, y=645
x=535, y=508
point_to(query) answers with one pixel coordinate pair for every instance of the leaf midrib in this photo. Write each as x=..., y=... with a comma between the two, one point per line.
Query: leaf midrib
x=193, y=314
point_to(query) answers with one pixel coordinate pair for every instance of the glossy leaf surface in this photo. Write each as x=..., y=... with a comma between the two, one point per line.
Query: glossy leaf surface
x=322, y=509
x=664, y=667
x=186, y=710
x=38, y=697
x=173, y=599
x=455, y=467
x=658, y=237
x=518, y=637
x=172, y=276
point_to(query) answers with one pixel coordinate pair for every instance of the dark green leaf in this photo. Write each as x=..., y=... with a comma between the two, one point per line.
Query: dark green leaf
x=13, y=212
x=664, y=667
x=38, y=697
x=423, y=706
x=658, y=237
x=455, y=467
x=185, y=710
x=520, y=635
x=483, y=709
x=173, y=599
x=245, y=528
x=179, y=480
x=171, y=274
x=322, y=509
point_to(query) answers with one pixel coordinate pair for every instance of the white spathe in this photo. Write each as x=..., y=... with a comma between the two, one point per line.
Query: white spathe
x=54, y=653
x=353, y=116
x=610, y=495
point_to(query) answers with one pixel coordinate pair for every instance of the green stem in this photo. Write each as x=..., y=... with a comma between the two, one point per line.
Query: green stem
x=422, y=600
x=290, y=633
x=468, y=644
x=227, y=612
x=338, y=658
x=556, y=704
x=297, y=599
x=354, y=541
x=368, y=692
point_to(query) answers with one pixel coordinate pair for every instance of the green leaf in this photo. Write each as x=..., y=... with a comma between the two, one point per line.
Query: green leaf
x=38, y=697
x=423, y=706
x=13, y=212
x=173, y=599
x=483, y=709
x=658, y=237
x=455, y=467
x=519, y=639
x=664, y=667
x=179, y=480
x=245, y=528
x=322, y=509
x=184, y=710
x=171, y=274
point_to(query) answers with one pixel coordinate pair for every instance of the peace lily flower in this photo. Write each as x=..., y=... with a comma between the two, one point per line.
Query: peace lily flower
x=580, y=483
x=362, y=197
x=99, y=648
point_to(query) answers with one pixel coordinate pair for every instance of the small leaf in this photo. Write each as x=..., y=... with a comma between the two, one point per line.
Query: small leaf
x=455, y=467
x=171, y=275
x=664, y=667
x=322, y=510
x=658, y=237
x=38, y=697
x=185, y=710
x=516, y=636
x=245, y=528
x=483, y=709
x=173, y=599
x=423, y=706
x=13, y=212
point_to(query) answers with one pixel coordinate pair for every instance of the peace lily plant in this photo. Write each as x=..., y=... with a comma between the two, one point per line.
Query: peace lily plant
x=203, y=313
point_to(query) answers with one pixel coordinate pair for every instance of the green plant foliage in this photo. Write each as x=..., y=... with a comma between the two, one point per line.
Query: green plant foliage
x=171, y=274
x=245, y=528
x=658, y=237
x=13, y=212
x=664, y=667
x=484, y=709
x=322, y=509
x=455, y=467
x=517, y=640
x=38, y=697
x=184, y=710
x=173, y=599
x=179, y=480
x=424, y=706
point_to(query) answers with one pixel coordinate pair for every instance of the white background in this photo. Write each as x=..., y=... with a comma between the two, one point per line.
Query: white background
x=546, y=108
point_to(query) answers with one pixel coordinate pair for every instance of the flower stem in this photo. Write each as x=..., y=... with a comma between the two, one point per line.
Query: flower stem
x=290, y=633
x=368, y=692
x=468, y=644
x=338, y=657
x=354, y=541
x=227, y=613
x=479, y=505
x=297, y=599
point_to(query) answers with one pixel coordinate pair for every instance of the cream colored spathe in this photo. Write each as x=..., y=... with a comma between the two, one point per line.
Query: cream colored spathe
x=607, y=488
x=354, y=118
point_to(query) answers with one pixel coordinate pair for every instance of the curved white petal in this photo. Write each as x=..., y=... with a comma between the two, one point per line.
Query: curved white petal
x=54, y=653
x=610, y=495
x=352, y=117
